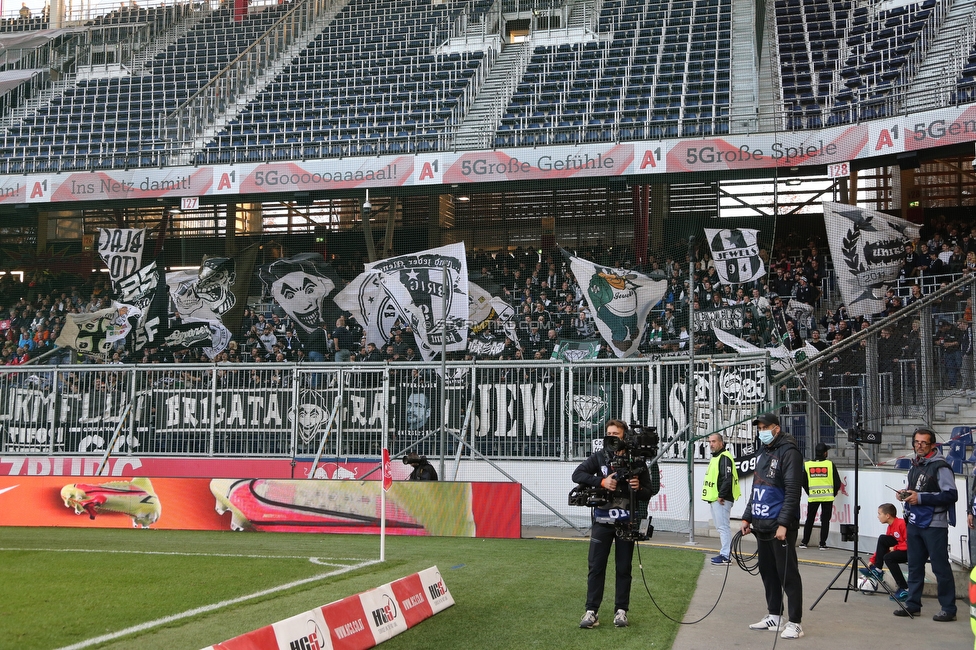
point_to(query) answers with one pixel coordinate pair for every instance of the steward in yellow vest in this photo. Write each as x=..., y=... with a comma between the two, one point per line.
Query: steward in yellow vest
x=720, y=489
x=822, y=483
x=721, y=478
x=820, y=480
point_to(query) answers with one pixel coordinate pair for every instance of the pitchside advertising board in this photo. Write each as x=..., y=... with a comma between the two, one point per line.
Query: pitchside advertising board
x=824, y=147
x=354, y=623
x=444, y=509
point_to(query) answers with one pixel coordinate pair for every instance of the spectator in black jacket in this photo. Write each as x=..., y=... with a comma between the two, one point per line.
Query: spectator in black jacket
x=773, y=513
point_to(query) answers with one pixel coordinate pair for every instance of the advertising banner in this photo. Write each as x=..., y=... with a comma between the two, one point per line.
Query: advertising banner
x=816, y=147
x=278, y=505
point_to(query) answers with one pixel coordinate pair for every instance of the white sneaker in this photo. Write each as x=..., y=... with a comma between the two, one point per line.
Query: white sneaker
x=620, y=618
x=792, y=631
x=771, y=622
x=589, y=620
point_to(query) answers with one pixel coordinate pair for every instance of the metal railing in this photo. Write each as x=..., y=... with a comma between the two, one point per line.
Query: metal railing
x=503, y=410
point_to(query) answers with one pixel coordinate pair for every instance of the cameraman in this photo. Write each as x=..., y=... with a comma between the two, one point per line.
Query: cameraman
x=422, y=469
x=600, y=470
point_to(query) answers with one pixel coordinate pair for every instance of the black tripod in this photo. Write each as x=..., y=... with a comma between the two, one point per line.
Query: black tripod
x=857, y=435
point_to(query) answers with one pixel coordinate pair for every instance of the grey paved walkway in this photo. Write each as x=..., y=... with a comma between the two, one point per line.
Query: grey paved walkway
x=863, y=622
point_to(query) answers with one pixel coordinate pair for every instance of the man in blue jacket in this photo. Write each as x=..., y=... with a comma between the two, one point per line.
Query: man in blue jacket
x=929, y=511
x=773, y=514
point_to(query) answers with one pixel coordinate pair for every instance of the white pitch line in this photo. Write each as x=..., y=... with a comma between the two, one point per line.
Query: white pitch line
x=210, y=608
x=131, y=552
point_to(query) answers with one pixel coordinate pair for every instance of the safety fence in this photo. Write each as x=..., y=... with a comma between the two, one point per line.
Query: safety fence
x=501, y=410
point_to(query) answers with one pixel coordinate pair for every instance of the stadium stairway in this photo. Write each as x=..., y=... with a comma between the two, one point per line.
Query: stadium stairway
x=272, y=70
x=580, y=14
x=744, y=90
x=477, y=131
x=936, y=76
x=954, y=408
x=169, y=37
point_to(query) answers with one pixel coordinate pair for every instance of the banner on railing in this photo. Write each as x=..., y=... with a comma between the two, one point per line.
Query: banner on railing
x=282, y=410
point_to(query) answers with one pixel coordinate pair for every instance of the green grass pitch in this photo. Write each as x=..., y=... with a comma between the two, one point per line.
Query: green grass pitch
x=61, y=588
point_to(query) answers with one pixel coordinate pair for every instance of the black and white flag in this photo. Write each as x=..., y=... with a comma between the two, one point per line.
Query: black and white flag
x=620, y=300
x=430, y=290
x=302, y=286
x=492, y=321
x=365, y=299
x=868, y=250
x=736, y=254
x=121, y=249
x=98, y=332
x=147, y=291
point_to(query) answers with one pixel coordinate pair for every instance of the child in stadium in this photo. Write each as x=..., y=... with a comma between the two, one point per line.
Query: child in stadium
x=892, y=550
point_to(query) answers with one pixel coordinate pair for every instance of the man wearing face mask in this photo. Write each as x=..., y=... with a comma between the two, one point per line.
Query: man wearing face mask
x=773, y=513
x=598, y=471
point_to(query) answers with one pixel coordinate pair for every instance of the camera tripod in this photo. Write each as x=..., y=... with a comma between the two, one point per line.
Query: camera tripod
x=851, y=567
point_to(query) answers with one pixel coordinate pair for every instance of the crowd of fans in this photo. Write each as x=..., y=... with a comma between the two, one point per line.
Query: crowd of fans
x=786, y=307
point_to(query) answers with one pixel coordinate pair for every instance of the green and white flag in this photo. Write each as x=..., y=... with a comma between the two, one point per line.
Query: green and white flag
x=620, y=300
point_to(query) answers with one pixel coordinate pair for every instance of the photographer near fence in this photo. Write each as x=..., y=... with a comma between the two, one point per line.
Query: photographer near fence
x=621, y=479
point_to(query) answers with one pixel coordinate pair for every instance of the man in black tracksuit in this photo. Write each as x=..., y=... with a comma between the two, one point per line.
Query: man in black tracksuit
x=773, y=513
x=597, y=471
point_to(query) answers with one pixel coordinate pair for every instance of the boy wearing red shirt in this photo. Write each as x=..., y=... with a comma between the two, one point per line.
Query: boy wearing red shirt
x=892, y=550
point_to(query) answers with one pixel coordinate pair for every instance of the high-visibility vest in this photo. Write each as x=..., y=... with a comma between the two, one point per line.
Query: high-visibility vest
x=820, y=480
x=710, y=487
x=972, y=600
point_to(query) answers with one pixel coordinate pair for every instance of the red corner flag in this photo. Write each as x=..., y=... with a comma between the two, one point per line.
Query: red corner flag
x=387, y=470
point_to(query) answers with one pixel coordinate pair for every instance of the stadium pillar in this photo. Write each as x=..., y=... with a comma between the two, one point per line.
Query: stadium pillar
x=56, y=14
x=390, y=227
x=641, y=202
x=909, y=196
x=230, y=231
x=852, y=189
x=843, y=193
x=434, y=220
x=657, y=208
x=42, y=227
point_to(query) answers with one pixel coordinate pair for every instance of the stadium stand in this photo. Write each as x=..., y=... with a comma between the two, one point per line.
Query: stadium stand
x=660, y=74
x=401, y=77
x=368, y=84
x=113, y=122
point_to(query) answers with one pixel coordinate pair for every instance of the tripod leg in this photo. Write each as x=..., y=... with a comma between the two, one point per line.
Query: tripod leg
x=885, y=586
x=849, y=566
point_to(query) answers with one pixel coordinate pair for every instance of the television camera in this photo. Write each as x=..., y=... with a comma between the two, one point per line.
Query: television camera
x=627, y=457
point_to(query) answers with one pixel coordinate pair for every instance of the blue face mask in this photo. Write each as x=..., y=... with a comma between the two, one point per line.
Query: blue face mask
x=766, y=436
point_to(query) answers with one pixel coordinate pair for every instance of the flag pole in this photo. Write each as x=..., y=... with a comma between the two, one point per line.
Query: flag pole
x=443, y=442
x=691, y=387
